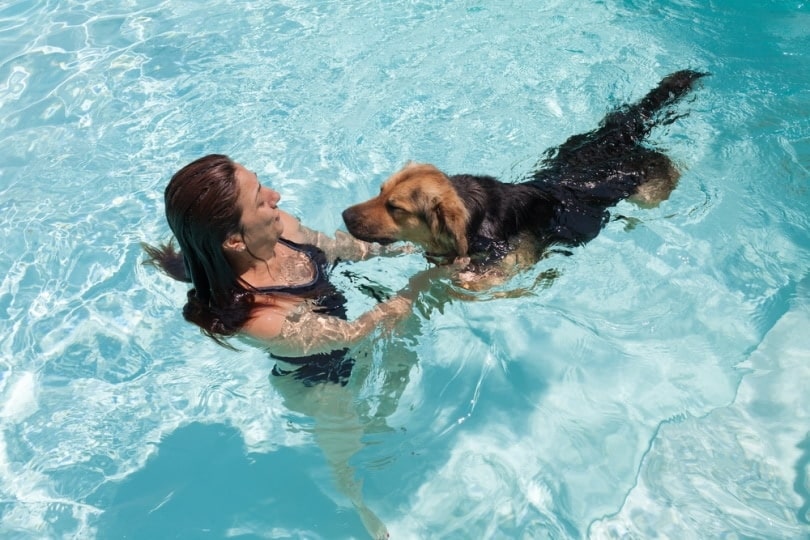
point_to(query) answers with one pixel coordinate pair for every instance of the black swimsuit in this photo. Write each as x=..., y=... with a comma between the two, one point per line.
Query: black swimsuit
x=334, y=366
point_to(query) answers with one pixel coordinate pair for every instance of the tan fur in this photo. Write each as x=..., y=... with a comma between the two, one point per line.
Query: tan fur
x=661, y=182
x=416, y=204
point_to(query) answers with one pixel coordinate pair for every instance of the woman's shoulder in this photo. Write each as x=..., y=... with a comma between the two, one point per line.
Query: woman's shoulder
x=264, y=325
x=267, y=317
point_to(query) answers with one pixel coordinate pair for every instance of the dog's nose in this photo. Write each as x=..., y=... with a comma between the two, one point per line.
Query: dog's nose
x=349, y=218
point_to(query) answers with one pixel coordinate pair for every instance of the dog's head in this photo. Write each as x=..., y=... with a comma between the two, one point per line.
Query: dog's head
x=418, y=204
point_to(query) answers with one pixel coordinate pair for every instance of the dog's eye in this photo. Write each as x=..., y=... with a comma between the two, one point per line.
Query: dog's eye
x=393, y=207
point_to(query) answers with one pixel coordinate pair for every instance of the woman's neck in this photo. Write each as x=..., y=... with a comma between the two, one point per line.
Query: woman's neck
x=283, y=266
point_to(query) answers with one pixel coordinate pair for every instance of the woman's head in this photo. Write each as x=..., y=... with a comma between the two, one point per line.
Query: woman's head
x=221, y=216
x=202, y=210
x=215, y=204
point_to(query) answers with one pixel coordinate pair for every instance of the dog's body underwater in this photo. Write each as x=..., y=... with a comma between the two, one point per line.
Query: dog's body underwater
x=565, y=201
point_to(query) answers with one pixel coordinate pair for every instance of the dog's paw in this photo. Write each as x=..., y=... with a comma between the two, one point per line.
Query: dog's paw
x=461, y=262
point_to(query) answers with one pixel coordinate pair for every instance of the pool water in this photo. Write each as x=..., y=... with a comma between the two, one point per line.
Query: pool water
x=657, y=387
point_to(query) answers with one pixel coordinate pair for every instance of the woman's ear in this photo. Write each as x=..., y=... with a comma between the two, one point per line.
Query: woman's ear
x=234, y=242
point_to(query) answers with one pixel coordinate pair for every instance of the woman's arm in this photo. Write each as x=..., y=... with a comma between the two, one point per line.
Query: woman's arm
x=290, y=328
x=303, y=332
x=343, y=246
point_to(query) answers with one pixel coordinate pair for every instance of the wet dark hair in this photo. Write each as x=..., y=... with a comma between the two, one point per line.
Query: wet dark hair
x=202, y=211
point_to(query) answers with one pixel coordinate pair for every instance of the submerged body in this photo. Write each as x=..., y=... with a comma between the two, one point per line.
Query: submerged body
x=330, y=366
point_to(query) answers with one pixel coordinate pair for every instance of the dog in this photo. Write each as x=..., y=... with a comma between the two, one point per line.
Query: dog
x=492, y=228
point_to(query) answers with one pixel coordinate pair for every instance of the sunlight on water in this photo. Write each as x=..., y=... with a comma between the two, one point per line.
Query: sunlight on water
x=652, y=384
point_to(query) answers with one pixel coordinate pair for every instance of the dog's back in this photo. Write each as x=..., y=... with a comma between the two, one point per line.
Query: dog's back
x=501, y=211
x=593, y=171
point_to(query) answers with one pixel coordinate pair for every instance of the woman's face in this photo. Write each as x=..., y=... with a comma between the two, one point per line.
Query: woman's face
x=261, y=221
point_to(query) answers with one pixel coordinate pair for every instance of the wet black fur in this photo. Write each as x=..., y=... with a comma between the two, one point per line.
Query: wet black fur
x=565, y=200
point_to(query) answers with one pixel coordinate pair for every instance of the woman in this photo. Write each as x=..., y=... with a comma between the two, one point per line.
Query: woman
x=258, y=273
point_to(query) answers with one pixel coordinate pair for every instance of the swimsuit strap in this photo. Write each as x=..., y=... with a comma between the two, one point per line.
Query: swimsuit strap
x=311, y=253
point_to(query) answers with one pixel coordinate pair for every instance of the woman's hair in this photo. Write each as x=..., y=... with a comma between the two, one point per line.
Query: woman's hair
x=202, y=211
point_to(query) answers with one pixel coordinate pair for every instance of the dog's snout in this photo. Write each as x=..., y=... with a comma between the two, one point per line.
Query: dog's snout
x=349, y=218
x=353, y=219
x=356, y=219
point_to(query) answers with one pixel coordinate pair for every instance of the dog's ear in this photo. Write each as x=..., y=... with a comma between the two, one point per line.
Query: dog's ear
x=448, y=222
x=440, y=206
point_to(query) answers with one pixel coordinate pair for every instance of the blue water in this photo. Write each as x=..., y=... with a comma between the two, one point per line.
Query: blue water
x=656, y=388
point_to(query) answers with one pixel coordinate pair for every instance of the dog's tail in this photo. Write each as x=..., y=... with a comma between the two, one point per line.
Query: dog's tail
x=619, y=131
x=634, y=122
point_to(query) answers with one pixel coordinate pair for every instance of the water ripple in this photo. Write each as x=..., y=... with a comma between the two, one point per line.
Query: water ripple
x=650, y=384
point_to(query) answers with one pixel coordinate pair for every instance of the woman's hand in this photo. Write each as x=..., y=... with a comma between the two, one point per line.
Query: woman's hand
x=430, y=289
x=343, y=246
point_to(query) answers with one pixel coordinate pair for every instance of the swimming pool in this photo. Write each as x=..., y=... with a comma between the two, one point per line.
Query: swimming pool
x=655, y=388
